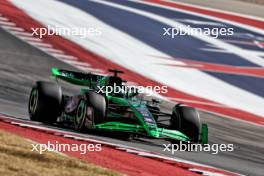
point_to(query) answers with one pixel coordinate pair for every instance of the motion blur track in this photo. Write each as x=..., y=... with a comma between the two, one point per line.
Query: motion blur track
x=22, y=64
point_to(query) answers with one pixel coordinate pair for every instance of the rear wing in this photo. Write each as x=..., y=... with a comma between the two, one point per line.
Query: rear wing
x=77, y=78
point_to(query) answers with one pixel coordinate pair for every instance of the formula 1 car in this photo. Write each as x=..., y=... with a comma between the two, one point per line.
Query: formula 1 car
x=122, y=112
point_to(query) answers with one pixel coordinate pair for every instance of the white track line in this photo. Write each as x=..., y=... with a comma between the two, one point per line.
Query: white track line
x=94, y=70
x=4, y=19
x=41, y=44
x=10, y=28
x=30, y=39
x=77, y=63
x=63, y=56
x=23, y=34
x=4, y=23
x=83, y=68
x=215, y=50
x=51, y=50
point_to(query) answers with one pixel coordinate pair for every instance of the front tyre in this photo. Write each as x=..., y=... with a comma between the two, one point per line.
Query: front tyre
x=186, y=119
x=45, y=102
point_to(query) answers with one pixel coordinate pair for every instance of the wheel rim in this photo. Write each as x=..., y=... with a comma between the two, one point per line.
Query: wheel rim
x=33, y=101
x=80, y=112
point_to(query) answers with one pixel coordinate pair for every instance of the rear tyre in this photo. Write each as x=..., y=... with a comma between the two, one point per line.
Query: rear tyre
x=45, y=102
x=186, y=120
x=98, y=104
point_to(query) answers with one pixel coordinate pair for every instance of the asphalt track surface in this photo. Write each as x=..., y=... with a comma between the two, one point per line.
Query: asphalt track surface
x=22, y=64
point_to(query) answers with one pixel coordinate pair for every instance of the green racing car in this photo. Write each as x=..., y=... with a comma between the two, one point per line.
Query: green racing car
x=122, y=112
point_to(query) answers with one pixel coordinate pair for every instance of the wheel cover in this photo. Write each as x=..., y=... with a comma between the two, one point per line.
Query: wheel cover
x=33, y=101
x=80, y=115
